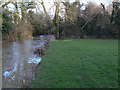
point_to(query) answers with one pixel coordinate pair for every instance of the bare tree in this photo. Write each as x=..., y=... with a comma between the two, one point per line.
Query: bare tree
x=56, y=17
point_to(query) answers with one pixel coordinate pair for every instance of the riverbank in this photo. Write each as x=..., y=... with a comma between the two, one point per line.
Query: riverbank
x=79, y=63
x=20, y=60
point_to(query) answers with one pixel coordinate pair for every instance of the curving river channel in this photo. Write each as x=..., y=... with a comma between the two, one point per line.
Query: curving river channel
x=19, y=61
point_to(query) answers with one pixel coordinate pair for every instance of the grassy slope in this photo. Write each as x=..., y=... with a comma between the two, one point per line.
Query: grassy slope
x=79, y=64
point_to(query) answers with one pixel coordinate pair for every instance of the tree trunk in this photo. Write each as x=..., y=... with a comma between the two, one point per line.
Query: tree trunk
x=17, y=13
x=47, y=13
x=56, y=17
x=22, y=10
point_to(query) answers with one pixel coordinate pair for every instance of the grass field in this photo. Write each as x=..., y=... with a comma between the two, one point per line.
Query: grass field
x=79, y=63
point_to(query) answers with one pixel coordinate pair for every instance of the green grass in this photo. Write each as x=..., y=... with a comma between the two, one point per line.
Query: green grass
x=79, y=63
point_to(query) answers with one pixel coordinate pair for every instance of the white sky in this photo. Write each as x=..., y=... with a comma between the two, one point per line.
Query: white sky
x=49, y=4
x=98, y=1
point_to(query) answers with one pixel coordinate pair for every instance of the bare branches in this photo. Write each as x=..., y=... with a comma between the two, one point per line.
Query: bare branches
x=5, y=4
x=86, y=23
x=47, y=13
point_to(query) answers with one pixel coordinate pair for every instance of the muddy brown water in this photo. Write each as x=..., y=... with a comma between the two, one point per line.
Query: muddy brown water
x=19, y=61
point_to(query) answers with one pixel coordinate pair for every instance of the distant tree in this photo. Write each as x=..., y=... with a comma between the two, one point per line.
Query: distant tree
x=55, y=23
x=40, y=23
x=7, y=22
x=26, y=6
x=23, y=5
x=115, y=10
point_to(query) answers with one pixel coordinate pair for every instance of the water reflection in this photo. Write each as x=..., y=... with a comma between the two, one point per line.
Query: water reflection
x=6, y=74
x=34, y=60
x=19, y=61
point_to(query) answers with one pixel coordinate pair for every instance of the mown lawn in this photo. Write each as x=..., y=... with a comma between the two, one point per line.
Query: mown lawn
x=79, y=63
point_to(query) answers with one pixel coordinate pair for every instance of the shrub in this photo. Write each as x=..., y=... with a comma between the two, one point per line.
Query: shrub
x=7, y=24
x=21, y=31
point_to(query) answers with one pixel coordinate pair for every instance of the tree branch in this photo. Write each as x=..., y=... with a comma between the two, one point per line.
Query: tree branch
x=47, y=13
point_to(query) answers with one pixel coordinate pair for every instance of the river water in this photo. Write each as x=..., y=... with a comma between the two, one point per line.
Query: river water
x=19, y=61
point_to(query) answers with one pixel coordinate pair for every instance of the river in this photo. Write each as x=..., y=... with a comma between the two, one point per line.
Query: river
x=19, y=61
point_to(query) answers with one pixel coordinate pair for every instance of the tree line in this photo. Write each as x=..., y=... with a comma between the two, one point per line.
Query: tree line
x=70, y=20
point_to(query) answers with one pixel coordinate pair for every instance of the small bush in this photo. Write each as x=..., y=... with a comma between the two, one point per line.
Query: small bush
x=7, y=24
x=21, y=31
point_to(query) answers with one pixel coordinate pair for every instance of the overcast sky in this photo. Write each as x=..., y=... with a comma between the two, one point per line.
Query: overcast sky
x=49, y=4
x=98, y=1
